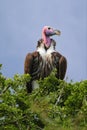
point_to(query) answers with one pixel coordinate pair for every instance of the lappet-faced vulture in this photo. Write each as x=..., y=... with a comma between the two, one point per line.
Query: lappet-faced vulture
x=40, y=63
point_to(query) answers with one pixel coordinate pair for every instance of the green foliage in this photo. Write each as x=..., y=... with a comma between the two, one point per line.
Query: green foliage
x=55, y=105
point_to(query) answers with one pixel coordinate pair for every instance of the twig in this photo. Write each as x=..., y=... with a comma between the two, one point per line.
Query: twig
x=28, y=128
x=5, y=89
x=58, y=99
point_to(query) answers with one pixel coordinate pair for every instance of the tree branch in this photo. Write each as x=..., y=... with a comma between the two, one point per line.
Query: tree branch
x=4, y=90
x=59, y=97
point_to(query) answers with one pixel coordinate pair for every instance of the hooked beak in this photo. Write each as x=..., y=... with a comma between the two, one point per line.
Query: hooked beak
x=52, y=32
x=57, y=32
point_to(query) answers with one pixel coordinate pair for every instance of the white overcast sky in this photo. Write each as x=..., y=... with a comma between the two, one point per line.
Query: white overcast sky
x=21, y=22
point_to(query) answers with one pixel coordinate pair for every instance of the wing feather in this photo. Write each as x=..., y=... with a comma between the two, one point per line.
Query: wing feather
x=61, y=64
x=31, y=67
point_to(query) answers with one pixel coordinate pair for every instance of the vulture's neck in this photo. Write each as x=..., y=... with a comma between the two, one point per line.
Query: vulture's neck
x=43, y=50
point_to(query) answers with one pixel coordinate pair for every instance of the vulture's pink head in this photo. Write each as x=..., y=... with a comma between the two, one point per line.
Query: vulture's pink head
x=47, y=32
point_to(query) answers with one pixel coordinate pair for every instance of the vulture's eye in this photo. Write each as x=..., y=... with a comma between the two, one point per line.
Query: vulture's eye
x=49, y=28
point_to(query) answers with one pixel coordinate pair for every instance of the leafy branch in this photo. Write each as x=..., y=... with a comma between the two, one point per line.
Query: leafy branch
x=56, y=104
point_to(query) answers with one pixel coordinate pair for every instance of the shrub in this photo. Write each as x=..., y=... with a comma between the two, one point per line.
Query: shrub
x=55, y=105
